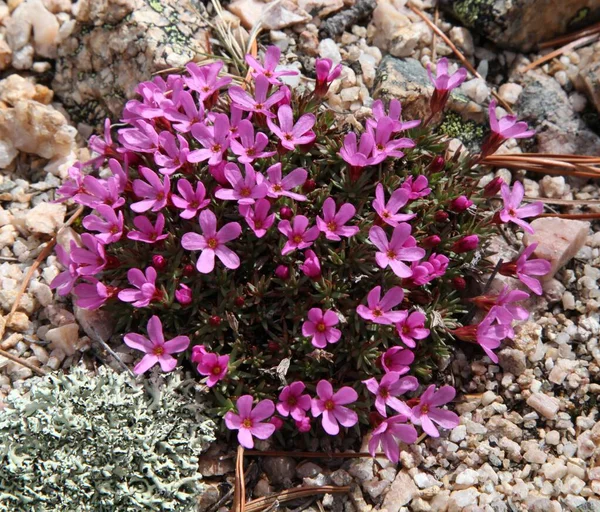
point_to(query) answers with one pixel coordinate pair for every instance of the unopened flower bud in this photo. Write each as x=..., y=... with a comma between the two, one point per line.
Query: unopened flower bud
x=459, y=283
x=159, y=262
x=466, y=244
x=273, y=346
x=239, y=301
x=493, y=187
x=460, y=204
x=282, y=272
x=437, y=164
x=214, y=320
x=278, y=422
x=183, y=294
x=431, y=241
x=309, y=186
x=303, y=425
x=188, y=270
x=286, y=212
x=441, y=216
x=197, y=353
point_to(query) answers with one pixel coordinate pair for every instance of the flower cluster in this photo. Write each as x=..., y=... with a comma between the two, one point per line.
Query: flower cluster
x=323, y=279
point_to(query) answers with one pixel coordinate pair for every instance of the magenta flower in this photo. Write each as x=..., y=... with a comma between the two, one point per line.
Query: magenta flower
x=303, y=425
x=156, y=348
x=90, y=258
x=332, y=223
x=379, y=310
x=388, y=389
x=214, y=367
x=212, y=243
x=198, y=352
x=426, y=271
x=92, y=295
x=183, y=295
x=290, y=134
x=109, y=227
x=400, y=248
x=73, y=186
x=358, y=156
x=104, y=147
x=249, y=422
x=190, y=201
x=311, y=266
x=489, y=335
x=299, y=237
x=258, y=104
x=465, y=244
x=204, y=79
x=504, y=309
x=397, y=359
x=145, y=288
x=245, y=188
x=383, y=145
x=525, y=269
x=142, y=137
x=325, y=75
x=330, y=405
x=394, y=115
x=412, y=327
x=155, y=193
x=235, y=117
x=147, y=233
x=214, y=139
x=268, y=69
x=513, y=211
x=320, y=326
x=416, y=187
x=389, y=212
x=389, y=434
x=173, y=157
x=64, y=282
x=428, y=412
x=460, y=204
x=281, y=187
x=193, y=113
x=247, y=147
x=292, y=402
x=444, y=83
x=258, y=217
x=282, y=272
x=97, y=192
x=506, y=128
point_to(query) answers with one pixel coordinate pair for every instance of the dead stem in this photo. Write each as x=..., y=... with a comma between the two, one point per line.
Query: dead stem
x=563, y=49
x=592, y=29
x=22, y=362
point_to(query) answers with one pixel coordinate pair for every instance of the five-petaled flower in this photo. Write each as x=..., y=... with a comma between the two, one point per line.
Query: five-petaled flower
x=443, y=83
x=145, y=290
x=153, y=192
x=512, y=211
x=246, y=189
x=388, y=212
x=298, y=234
x=320, y=327
x=333, y=223
x=249, y=422
x=503, y=129
x=389, y=434
x=388, y=389
x=400, y=248
x=412, y=327
x=190, y=200
x=214, y=367
x=279, y=186
x=331, y=406
x=524, y=268
x=289, y=134
x=268, y=68
x=379, y=310
x=293, y=401
x=148, y=233
x=427, y=412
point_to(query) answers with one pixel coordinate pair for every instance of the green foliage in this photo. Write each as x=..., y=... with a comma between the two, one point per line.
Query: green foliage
x=83, y=442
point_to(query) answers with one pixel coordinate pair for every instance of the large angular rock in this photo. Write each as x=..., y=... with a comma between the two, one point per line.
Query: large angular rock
x=558, y=240
x=521, y=24
x=588, y=78
x=118, y=43
x=401, y=492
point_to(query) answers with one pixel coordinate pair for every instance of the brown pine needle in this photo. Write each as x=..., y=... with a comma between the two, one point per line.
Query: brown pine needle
x=575, y=216
x=239, y=494
x=22, y=362
x=312, y=455
x=560, y=165
x=592, y=29
x=458, y=53
x=573, y=45
x=292, y=494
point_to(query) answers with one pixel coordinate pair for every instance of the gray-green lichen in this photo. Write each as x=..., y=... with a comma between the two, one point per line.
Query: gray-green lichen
x=81, y=442
x=468, y=132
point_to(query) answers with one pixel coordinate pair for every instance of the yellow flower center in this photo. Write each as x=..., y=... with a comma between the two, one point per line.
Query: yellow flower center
x=329, y=405
x=212, y=243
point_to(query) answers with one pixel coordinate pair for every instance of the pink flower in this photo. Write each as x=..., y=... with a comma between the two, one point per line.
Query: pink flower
x=303, y=425
x=506, y=128
x=204, y=79
x=384, y=146
x=460, y=204
x=148, y=233
x=183, y=294
x=268, y=69
x=248, y=148
x=412, y=327
x=325, y=75
x=502, y=307
x=289, y=134
x=465, y=244
x=330, y=405
x=214, y=367
x=103, y=147
x=258, y=217
x=155, y=193
x=416, y=187
x=248, y=421
x=292, y=402
x=389, y=434
x=92, y=295
x=90, y=258
x=332, y=223
x=156, y=348
x=388, y=389
x=395, y=115
x=282, y=272
x=212, y=243
x=444, y=83
x=109, y=227
x=428, y=412
x=97, y=192
x=311, y=266
x=426, y=271
x=379, y=310
x=400, y=248
x=320, y=326
x=73, y=186
x=278, y=422
x=258, y=104
x=358, y=156
x=214, y=139
x=145, y=288
x=245, y=188
x=192, y=114
x=173, y=157
x=524, y=269
x=389, y=212
x=513, y=211
x=198, y=352
x=65, y=281
x=281, y=187
x=141, y=138
x=397, y=359
x=299, y=237
x=190, y=201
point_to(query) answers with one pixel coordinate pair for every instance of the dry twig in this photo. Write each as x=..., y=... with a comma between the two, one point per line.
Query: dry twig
x=312, y=455
x=260, y=504
x=573, y=45
x=239, y=493
x=592, y=29
x=22, y=362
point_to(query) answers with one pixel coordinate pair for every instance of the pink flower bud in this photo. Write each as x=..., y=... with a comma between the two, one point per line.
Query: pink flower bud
x=466, y=244
x=311, y=266
x=460, y=204
x=282, y=272
x=437, y=164
x=197, y=353
x=440, y=216
x=286, y=213
x=459, y=283
x=303, y=425
x=215, y=320
x=183, y=294
x=159, y=262
x=493, y=187
x=430, y=242
x=278, y=422
x=309, y=186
